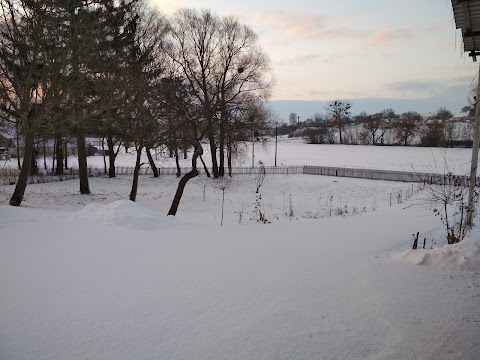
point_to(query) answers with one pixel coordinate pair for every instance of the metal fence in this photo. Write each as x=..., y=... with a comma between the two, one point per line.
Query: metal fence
x=389, y=175
x=9, y=176
x=238, y=170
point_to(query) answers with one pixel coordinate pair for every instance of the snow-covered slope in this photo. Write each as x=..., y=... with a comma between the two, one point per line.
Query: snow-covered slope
x=311, y=289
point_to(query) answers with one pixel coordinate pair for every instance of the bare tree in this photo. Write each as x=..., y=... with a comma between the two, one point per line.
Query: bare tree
x=224, y=68
x=448, y=198
x=373, y=125
x=223, y=183
x=192, y=49
x=388, y=116
x=448, y=125
x=292, y=118
x=433, y=132
x=260, y=177
x=198, y=151
x=406, y=126
x=339, y=110
x=144, y=73
x=243, y=76
x=177, y=101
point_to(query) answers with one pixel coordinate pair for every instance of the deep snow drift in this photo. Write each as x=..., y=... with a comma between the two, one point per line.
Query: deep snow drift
x=464, y=255
x=124, y=213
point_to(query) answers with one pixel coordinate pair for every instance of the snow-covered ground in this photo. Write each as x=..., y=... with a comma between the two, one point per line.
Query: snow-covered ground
x=311, y=196
x=99, y=277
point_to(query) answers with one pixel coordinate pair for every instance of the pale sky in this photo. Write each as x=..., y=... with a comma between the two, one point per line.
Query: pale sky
x=351, y=49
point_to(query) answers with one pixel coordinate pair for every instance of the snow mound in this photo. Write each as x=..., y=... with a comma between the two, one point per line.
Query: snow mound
x=125, y=213
x=465, y=255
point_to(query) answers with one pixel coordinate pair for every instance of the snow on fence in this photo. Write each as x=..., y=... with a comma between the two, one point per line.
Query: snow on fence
x=9, y=175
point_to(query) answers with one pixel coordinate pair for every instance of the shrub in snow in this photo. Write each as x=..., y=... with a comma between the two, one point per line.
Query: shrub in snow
x=448, y=199
x=240, y=213
x=330, y=206
x=259, y=214
x=223, y=184
x=290, y=206
x=260, y=177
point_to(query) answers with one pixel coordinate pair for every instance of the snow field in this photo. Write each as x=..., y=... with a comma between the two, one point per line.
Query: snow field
x=310, y=196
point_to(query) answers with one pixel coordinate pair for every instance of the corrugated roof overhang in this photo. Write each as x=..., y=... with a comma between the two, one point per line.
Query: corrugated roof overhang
x=467, y=18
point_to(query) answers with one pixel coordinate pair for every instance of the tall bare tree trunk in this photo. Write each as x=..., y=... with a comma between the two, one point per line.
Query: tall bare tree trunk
x=59, y=154
x=65, y=151
x=151, y=162
x=22, y=181
x=104, y=157
x=53, y=155
x=18, y=146
x=177, y=163
x=183, y=181
x=33, y=163
x=44, y=156
x=136, y=172
x=82, y=162
x=111, y=156
x=221, y=148
x=229, y=157
x=205, y=167
x=213, y=149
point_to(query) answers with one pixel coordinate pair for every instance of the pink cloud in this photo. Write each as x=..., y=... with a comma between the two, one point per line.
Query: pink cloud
x=300, y=59
x=291, y=24
x=388, y=36
x=326, y=28
x=306, y=58
x=312, y=27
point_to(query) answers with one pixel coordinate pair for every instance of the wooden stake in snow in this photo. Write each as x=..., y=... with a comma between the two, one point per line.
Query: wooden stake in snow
x=415, y=242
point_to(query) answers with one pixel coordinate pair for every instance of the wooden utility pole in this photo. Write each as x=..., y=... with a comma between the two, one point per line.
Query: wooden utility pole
x=474, y=164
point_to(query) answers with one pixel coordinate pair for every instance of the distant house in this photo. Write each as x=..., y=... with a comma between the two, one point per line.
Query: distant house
x=427, y=116
x=461, y=117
